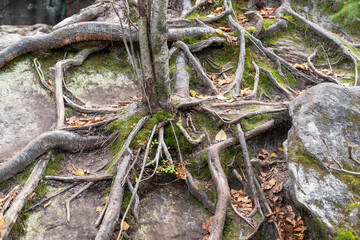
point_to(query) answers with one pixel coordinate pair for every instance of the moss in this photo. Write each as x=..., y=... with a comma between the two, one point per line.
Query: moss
x=316, y=229
x=226, y=156
x=54, y=164
x=352, y=181
x=297, y=154
x=189, y=40
x=255, y=121
x=68, y=112
x=345, y=235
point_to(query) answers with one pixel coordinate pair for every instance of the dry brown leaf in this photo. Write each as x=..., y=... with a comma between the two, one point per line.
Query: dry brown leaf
x=221, y=136
x=218, y=31
x=181, y=171
x=1, y=222
x=99, y=209
x=88, y=105
x=125, y=226
x=206, y=225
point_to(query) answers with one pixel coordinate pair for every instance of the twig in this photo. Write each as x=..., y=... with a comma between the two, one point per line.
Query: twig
x=50, y=197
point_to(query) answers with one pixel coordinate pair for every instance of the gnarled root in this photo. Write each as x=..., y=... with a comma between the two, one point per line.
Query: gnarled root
x=63, y=140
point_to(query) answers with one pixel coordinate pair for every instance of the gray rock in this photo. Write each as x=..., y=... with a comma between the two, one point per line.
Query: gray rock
x=326, y=114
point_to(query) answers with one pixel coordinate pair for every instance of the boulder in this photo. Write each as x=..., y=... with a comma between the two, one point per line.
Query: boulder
x=326, y=135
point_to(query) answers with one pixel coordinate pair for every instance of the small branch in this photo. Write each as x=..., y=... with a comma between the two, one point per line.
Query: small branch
x=346, y=171
x=217, y=17
x=199, y=46
x=50, y=197
x=187, y=136
x=244, y=103
x=136, y=208
x=252, y=114
x=85, y=178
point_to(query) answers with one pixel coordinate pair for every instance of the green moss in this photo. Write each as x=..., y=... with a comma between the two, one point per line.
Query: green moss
x=54, y=164
x=316, y=228
x=297, y=154
x=345, y=235
x=352, y=181
x=255, y=121
x=68, y=112
x=189, y=40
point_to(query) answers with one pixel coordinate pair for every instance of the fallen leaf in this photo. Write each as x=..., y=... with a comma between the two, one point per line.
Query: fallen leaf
x=181, y=171
x=221, y=136
x=99, y=209
x=88, y=105
x=192, y=93
x=79, y=172
x=220, y=97
x=125, y=226
x=206, y=225
x=218, y=31
x=274, y=155
x=47, y=203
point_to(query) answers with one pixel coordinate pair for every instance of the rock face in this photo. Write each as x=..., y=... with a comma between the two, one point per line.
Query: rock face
x=326, y=124
x=170, y=213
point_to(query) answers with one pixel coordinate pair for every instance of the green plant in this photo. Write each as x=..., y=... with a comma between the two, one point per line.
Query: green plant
x=167, y=168
x=349, y=12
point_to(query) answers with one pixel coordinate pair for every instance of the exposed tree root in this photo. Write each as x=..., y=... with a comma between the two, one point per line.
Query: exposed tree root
x=50, y=140
x=32, y=182
x=322, y=32
x=197, y=67
x=324, y=76
x=85, y=178
x=256, y=82
x=84, y=15
x=222, y=189
x=255, y=16
x=288, y=94
x=135, y=188
x=111, y=216
x=187, y=136
x=199, y=46
x=198, y=193
x=136, y=208
x=182, y=79
x=59, y=78
x=50, y=197
x=188, y=12
x=88, y=31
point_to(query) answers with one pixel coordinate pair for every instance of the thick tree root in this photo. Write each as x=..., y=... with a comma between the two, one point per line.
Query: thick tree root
x=32, y=182
x=182, y=78
x=111, y=216
x=199, y=46
x=88, y=31
x=222, y=188
x=63, y=140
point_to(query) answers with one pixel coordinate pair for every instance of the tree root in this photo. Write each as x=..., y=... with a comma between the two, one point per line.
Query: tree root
x=136, y=209
x=222, y=189
x=85, y=178
x=32, y=182
x=59, y=78
x=198, y=193
x=133, y=192
x=324, y=76
x=288, y=94
x=187, y=136
x=197, y=67
x=322, y=32
x=50, y=197
x=49, y=140
x=199, y=46
x=84, y=15
x=182, y=79
x=88, y=31
x=188, y=12
x=111, y=216
x=256, y=82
